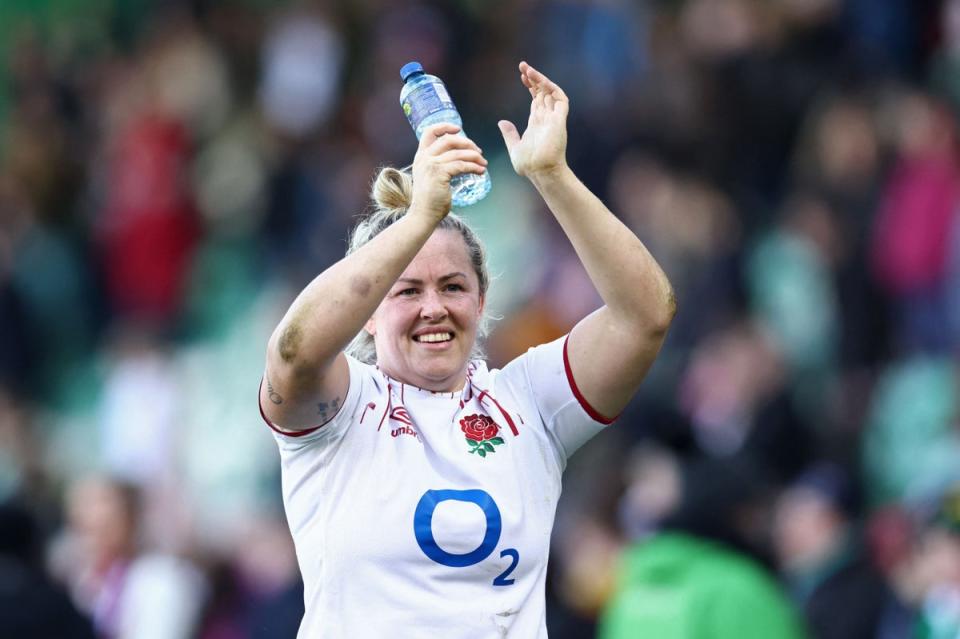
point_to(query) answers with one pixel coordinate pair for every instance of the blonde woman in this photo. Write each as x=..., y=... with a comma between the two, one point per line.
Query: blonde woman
x=420, y=486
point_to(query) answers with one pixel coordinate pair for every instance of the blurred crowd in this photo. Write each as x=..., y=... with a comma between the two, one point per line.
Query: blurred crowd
x=173, y=172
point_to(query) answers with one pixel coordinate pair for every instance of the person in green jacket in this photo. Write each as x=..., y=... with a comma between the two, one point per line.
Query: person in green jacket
x=676, y=586
x=696, y=577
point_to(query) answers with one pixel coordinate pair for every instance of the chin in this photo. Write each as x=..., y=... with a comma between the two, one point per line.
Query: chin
x=439, y=372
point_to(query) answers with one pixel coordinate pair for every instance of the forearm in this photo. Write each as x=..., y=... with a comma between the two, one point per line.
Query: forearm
x=631, y=283
x=333, y=308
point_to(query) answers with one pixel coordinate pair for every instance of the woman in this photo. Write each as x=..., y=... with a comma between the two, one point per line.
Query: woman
x=419, y=486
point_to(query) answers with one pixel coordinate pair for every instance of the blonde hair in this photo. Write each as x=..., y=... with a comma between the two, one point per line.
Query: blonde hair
x=391, y=193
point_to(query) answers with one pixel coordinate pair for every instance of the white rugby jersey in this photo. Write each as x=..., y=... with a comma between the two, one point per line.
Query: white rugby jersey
x=422, y=514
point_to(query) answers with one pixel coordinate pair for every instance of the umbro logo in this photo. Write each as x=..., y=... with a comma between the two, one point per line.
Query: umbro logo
x=405, y=430
x=400, y=414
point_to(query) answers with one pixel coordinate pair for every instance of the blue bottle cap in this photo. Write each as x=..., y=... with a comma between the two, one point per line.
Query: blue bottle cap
x=409, y=69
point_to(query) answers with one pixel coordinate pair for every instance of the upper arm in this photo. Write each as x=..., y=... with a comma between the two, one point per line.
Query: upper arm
x=295, y=401
x=609, y=358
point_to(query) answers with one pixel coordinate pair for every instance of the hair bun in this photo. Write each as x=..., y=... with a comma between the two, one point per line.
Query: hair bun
x=392, y=190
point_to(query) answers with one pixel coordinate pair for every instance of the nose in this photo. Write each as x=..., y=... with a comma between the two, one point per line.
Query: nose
x=433, y=308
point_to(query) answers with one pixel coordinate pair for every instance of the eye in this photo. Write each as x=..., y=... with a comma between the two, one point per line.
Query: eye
x=453, y=287
x=407, y=292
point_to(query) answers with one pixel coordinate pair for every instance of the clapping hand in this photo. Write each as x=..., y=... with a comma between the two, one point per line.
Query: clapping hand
x=541, y=150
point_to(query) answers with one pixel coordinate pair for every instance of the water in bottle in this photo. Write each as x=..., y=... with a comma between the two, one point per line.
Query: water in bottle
x=425, y=101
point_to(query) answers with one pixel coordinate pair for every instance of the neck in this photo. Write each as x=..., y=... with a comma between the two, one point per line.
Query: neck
x=450, y=384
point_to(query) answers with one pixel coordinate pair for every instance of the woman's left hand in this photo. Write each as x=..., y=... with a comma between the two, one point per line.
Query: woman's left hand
x=542, y=148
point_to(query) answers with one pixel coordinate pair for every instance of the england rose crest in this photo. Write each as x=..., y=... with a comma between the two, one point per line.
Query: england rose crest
x=482, y=434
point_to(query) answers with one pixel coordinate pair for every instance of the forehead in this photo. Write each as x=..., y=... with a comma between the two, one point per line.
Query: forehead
x=444, y=253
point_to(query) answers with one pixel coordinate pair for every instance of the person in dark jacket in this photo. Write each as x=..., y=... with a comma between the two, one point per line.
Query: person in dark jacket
x=841, y=593
x=31, y=604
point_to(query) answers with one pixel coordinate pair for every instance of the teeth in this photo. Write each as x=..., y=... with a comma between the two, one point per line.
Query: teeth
x=435, y=337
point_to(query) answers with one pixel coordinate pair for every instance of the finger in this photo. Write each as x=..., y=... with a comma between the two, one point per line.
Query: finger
x=558, y=94
x=511, y=137
x=542, y=82
x=526, y=82
x=463, y=166
x=534, y=78
x=435, y=131
x=448, y=142
x=528, y=79
x=466, y=155
x=530, y=87
x=523, y=75
x=537, y=78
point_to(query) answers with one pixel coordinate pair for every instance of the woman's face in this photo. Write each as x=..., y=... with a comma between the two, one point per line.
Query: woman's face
x=425, y=328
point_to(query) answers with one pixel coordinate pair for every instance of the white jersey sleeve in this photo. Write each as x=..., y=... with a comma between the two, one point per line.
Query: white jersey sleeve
x=544, y=374
x=335, y=427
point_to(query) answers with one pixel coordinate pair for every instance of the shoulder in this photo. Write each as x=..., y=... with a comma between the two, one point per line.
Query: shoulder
x=546, y=358
x=365, y=387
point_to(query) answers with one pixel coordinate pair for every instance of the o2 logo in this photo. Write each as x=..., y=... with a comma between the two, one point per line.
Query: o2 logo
x=423, y=531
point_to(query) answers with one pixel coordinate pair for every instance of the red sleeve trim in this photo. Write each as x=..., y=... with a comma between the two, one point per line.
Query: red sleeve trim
x=591, y=411
x=277, y=429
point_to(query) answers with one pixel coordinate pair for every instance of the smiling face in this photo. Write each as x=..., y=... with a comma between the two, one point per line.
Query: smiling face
x=426, y=326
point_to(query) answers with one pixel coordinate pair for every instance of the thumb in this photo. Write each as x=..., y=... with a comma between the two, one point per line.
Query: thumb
x=510, y=135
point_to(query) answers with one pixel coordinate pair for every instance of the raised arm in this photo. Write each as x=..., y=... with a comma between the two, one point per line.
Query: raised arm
x=306, y=372
x=610, y=350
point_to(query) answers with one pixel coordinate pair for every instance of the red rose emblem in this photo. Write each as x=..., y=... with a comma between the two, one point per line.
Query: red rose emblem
x=479, y=427
x=481, y=432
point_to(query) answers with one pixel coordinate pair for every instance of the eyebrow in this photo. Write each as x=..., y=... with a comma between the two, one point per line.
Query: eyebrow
x=443, y=278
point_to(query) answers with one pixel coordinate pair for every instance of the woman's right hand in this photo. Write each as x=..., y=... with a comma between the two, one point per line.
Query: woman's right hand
x=442, y=154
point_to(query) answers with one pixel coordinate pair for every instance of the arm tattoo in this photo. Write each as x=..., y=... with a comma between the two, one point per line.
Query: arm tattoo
x=272, y=394
x=327, y=410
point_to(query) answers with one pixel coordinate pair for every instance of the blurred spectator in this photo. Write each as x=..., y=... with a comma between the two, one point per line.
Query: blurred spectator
x=689, y=580
x=927, y=584
x=914, y=222
x=693, y=229
x=911, y=445
x=734, y=393
x=256, y=591
x=149, y=229
x=841, y=594
x=31, y=605
x=788, y=271
x=680, y=587
x=937, y=569
x=839, y=152
x=140, y=375
x=129, y=593
x=301, y=71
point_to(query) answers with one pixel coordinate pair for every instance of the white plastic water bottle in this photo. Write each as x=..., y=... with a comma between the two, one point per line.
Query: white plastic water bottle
x=425, y=101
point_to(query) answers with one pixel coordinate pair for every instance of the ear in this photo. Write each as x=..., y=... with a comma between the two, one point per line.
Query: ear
x=483, y=305
x=371, y=326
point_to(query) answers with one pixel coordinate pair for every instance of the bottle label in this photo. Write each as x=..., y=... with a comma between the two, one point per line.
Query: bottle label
x=424, y=101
